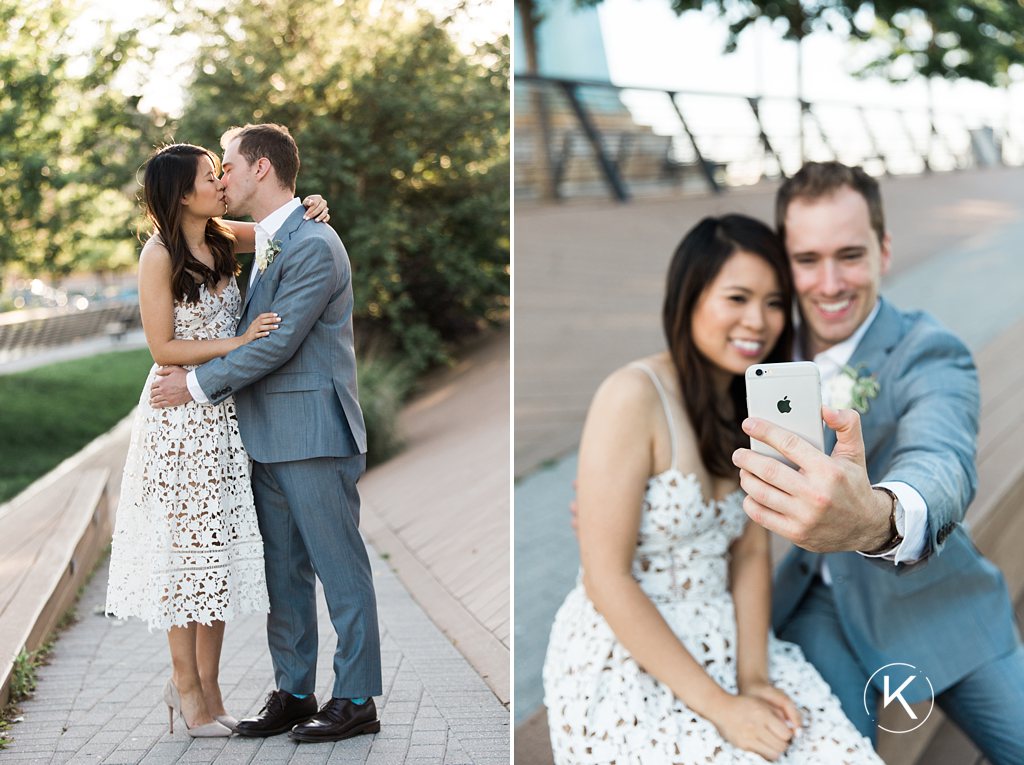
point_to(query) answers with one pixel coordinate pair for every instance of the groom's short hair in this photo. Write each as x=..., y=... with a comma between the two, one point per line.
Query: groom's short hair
x=271, y=141
x=821, y=179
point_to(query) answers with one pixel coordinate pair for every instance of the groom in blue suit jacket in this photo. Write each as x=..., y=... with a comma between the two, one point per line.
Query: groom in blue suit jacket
x=884, y=571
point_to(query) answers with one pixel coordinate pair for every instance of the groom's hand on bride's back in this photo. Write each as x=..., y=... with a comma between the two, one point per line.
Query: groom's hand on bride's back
x=828, y=505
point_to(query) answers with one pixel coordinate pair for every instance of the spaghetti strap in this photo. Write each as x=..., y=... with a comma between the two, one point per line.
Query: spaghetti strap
x=663, y=395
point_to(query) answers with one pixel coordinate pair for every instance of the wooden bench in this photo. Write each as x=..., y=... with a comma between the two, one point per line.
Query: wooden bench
x=997, y=527
x=51, y=536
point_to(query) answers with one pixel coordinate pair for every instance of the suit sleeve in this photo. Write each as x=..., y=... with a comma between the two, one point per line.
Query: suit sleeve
x=937, y=430
x=309, y=279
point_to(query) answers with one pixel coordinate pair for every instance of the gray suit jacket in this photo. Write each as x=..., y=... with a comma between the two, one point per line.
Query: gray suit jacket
x=950, y=613
x=295, y=390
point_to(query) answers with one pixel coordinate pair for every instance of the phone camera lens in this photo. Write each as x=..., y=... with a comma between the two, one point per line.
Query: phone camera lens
x=759, y=372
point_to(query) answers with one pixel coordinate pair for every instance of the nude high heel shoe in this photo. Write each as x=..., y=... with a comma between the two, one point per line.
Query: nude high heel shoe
x=173, y=702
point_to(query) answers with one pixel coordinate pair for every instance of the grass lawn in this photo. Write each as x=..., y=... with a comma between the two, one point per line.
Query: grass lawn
x=49, y=413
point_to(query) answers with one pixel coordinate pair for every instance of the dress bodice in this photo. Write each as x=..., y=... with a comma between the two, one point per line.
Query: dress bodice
x=683, y=545
x=213, y=317
x=683, y=541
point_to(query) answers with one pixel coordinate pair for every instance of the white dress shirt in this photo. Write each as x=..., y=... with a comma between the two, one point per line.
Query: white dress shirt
x=911, y=510
x=265, y=230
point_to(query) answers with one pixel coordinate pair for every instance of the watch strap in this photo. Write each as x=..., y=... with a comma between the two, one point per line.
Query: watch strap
x=895, y=537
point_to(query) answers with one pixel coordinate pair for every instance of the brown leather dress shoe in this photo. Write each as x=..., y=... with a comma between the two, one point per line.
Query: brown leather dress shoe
x=279, y=714
x=338, y=719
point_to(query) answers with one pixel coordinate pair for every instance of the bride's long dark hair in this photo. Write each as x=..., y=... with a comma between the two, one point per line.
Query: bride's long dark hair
x=170, y=175
x=696, y=263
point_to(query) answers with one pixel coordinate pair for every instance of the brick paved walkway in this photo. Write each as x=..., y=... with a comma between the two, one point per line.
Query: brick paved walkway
x=99, y=699
x=440, y=508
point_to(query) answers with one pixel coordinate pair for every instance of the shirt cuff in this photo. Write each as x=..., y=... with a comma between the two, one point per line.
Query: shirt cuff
x=193, y=387
x=911, y=523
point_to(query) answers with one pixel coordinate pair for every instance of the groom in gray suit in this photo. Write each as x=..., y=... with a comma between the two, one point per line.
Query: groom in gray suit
x=884, y=570
x=300, y=421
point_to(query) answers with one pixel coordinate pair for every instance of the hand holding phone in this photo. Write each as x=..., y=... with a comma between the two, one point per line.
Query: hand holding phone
x=788, y=395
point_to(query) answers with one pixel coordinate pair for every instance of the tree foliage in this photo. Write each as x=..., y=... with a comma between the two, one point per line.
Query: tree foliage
x=974, y=39
x=69, y=143
x=404, y=132
x=406, y=136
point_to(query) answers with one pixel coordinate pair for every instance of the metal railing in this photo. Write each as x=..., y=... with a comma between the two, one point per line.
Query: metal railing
x=23, y=331
x=584, y=138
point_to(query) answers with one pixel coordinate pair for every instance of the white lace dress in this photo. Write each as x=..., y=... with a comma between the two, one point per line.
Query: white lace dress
x=603, y=708
x=187, y=547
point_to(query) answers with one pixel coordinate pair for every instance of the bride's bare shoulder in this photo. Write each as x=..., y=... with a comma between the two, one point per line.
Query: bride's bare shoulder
x=627, y=391
x=155, y=249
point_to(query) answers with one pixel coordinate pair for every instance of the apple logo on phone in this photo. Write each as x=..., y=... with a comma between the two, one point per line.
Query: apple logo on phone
x=784, y=406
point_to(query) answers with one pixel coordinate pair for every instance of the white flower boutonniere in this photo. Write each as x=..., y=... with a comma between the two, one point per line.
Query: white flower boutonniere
x=265, y=258
x=853, y=389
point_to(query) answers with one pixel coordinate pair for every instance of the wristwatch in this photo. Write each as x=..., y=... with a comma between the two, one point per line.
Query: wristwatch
x=895, y=537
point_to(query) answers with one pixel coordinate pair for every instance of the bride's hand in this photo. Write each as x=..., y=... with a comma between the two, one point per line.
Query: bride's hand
x=754, y=725
x=316, y=208
x=261, y=326
x=784, y=706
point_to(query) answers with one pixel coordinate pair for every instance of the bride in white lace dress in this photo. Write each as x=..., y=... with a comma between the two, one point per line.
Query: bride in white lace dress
x=662, y=654
x=187, y=555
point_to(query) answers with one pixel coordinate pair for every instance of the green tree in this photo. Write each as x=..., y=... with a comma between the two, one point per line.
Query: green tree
x=29, y=129
x=68, y=142
x=405, y=134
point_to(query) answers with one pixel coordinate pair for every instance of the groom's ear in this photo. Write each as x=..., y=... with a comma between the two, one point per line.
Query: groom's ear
x=263, y=167
x=886, y=252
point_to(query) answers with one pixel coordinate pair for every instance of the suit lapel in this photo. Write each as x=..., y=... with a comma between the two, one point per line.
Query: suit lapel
x=283, y=235
x=870, y=355
x=252, y=286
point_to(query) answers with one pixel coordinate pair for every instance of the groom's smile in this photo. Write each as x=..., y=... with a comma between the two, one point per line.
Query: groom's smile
x=837, y=262
x=836, y=310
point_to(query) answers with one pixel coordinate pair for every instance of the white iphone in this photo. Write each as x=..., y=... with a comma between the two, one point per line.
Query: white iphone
x=788, y=395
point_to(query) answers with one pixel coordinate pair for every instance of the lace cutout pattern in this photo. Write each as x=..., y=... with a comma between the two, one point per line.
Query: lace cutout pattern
x=187, y=546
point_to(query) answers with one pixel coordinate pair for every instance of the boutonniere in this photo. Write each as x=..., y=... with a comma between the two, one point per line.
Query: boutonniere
x=265, y=258
x=853, y=389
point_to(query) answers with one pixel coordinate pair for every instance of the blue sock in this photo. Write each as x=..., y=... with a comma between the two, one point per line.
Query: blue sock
x=299, y=695
x=360, y=701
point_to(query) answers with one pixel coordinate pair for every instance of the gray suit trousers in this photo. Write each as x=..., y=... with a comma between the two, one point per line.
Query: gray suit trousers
x=308, y=513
